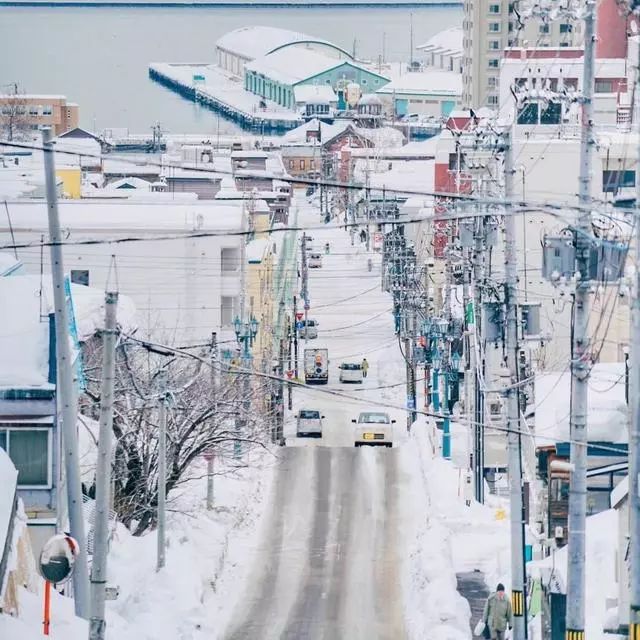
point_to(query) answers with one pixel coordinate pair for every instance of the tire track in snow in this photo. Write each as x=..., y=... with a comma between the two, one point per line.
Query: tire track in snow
x=258, y=618
x=307, y=617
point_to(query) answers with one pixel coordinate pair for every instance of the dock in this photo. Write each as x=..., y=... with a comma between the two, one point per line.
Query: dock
x=224, y=94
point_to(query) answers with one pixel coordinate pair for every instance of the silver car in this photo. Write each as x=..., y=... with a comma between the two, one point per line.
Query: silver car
x=308, y=330
x=309, y=423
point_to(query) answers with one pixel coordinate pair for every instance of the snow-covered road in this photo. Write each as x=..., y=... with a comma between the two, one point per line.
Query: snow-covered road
x=328, y=565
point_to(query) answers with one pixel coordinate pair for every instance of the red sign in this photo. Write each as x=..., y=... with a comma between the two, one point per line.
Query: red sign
x=209, y=456
x=289, y=374
x=299, y=315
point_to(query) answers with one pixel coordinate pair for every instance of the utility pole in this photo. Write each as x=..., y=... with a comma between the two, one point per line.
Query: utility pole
x=97, y=624
x=214, y=393
x=66, y=396
x=518, y=596
x=295, y=337
x=305, y=287
x=410, y=322
x=162, y=471
x=634, y=432
x=580, y=352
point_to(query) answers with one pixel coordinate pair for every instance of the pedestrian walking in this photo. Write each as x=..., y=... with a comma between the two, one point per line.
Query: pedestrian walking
x=365, y=367
x=497, y=614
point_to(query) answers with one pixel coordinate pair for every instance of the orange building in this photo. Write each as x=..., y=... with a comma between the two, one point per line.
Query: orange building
x=31, y=111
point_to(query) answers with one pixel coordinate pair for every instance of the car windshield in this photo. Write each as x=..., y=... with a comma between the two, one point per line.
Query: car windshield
x=315, y=256
x=309, y=415
x=310, y=323
x=349, y=366
x=376, y=418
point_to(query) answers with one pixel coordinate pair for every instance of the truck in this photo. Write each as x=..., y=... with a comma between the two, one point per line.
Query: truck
x=316, y=366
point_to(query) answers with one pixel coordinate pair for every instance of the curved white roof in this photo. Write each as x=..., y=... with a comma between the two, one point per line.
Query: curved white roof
x=447, y=40
x=370, y=99
x=256, y=41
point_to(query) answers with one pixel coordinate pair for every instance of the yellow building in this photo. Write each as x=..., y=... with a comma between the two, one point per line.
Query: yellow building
x=71, y=181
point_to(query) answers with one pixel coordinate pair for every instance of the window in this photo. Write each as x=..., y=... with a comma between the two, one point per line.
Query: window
x=492, y=82
x=302, y=164
x=33, y=110
x=528, y=114
x=292, y=164
x=312, y=164
x=494, y=45
x=544, y=28
x=492, y=101
x=603, y=85
x=364, y=81
x=29, y=450
x=80, y=276
x=566, y=28
x=230, y=259
x=494, y=27
x=612, y=181
x=47, y=110
x=453, y=162
x=493, y=63
x=227, y=310
x=494, y=8
x=552, y=114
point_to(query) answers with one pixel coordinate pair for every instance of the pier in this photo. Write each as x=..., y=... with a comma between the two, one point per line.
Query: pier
x=223, y=94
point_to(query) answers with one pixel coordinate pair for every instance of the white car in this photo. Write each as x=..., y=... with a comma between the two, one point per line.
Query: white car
x=309, y=329
x=309, y=423
x=351, y=372
x=373, y=428
x=315, y=260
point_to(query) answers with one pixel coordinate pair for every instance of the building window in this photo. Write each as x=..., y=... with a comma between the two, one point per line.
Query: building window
x=292, y=164
x=493, y=63
x=302, y=164
x=528, y=114
x=453, y=162
x=494, y=45
x=29, y=450
x=566, y=28
x=492, y=101
x=494, y=27
x=494, y=8
x=230, y=259
x=312, y=164
x=492, y=82
x=612, y=181
x=47, y=110
x=603, y=85
x=33, y=110
x=552, y=114
x=228, y=306
x=80, y=276
x=544, y=28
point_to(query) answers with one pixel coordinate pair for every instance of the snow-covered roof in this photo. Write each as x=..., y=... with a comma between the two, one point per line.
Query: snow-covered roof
x=606, y=412
x=370, y=99
x=132, y=183
x=110, y=217
x=249, y=154
x=416, y=174
x=256, y=41
x=256, y=250
x=449, y=39
x=430, y=82
x=314, y=94
x=295, y=64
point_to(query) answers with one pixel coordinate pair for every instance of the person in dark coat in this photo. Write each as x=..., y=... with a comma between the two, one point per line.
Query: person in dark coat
x=497, y=614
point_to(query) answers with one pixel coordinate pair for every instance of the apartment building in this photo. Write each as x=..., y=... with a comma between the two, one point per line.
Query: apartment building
x=22, y=111
x=492, y=26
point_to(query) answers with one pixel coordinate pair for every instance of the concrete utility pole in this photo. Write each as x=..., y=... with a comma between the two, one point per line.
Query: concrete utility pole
x=214, y=398
x=634, y=433
x=295, y=337
x=97, y=625
x=305, y=286
x=478, y=404
x=409, y=337
x=518, y=595
x=580, y=356
x=162, y=471
x=66, y=396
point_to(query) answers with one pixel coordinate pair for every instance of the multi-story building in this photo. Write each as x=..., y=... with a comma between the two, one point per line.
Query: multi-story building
x=29, y=111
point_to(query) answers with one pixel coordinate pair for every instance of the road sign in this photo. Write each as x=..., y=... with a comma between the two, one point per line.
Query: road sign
x=411, y=402
x=209, y=455
x=299, y=325
x=306, y=306
x=299, y=315
x=289, y=374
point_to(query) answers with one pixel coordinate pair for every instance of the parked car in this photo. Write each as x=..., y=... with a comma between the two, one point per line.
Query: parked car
x=350, y=372
x=315, y=260
x=373, y=428
x=308, y=330
x=309, y=423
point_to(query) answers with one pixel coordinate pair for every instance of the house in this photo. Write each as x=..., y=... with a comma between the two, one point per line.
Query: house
x=444, y=50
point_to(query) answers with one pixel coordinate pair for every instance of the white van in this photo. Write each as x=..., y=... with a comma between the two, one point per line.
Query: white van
x=309, y=329
x=309, y=423
x=315, y=260
x=351, y=372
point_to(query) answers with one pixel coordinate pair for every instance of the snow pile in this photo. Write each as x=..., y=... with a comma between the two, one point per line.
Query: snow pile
x=8, y=481
x=602, y=541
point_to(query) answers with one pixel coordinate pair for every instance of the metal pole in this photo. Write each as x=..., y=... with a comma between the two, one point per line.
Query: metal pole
x=65, y=392
x=580, y=353
x=512, y=405
x=214, y=393
x=305, y=287
x=162, y=471
x=446, y=425
x=97, y=624
x=634, y=431
x=295, y=336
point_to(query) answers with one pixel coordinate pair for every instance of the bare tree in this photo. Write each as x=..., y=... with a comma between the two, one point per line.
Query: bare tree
x=14, y=120
x=196, y=424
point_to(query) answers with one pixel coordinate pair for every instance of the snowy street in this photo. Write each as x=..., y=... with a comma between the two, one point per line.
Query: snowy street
x=328, y=563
